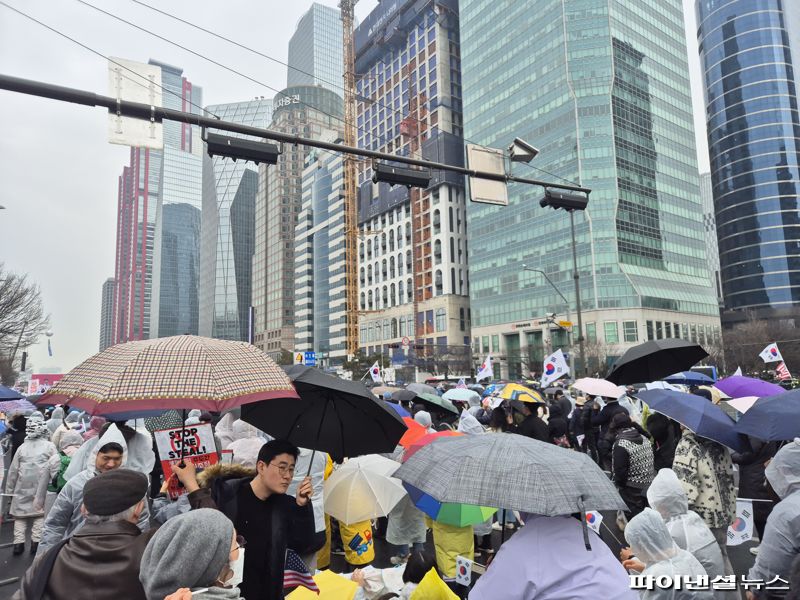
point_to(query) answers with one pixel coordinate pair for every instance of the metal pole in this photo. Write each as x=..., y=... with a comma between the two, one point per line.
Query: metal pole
x=569, y=317
x=19, y=339
x=158, y=113
x=576, y=277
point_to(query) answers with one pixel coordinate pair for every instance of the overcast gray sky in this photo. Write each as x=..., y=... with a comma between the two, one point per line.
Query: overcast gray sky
x=58, y=173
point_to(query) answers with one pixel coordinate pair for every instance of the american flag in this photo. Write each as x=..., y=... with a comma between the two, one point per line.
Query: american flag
x=782, y=372
x=296, y=573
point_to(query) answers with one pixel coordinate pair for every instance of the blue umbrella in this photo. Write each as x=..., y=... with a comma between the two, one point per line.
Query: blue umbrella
x=698, y=414
x=21, y=405
x=689, y=378
x=6, y=393
x=397, y=408
x=773, y=418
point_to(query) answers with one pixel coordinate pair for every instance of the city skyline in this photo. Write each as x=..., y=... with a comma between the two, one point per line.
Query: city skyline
x=77, y=312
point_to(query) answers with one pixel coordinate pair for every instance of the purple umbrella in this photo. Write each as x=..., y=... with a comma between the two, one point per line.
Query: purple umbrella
x=11, y=406
x=739, y=387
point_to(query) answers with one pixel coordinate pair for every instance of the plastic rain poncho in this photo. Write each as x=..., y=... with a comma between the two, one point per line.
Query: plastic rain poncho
x=246, y=444
x=224, y=430
x=56, y=418
x=652, y=544
x=140, y=456
x=65, y=516
x=667, y=496
x=29, y=461
x=780, y=544
x=469, y=424
x=67, y=444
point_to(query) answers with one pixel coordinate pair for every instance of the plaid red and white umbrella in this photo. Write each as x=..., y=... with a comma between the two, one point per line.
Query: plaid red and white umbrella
x=180, y=372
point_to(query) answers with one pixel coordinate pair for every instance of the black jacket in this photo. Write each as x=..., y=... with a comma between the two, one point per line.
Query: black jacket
x=557, y=424
x=291, y=526
x=751, y=468
x=534, y=427
x=602, y=418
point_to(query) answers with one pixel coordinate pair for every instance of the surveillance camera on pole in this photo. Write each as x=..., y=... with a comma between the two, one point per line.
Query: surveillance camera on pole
x=522, y=151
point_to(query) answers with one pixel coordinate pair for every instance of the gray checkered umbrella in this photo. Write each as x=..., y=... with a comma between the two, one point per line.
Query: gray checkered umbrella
x=510, y=471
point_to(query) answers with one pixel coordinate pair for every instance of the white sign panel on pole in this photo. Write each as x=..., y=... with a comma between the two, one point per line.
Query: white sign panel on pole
x=135, y=82
x=492, y=160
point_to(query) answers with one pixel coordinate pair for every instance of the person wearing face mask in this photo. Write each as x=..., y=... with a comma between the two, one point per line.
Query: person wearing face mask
x=262, y=512
x=194, y=555
x=104, y=554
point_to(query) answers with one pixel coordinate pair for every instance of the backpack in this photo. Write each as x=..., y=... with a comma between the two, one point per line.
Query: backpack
x=58, y=481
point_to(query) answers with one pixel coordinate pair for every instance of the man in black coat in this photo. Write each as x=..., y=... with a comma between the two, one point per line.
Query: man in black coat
x=262, y=513
x=531, y=425
x=602, y=418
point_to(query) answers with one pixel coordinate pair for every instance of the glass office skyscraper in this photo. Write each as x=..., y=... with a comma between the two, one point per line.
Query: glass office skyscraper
x=601, y=87
x=315, y=49
x=749, y=51
x=319, y=288
x=228, y=231
x=158, y=226
x=107, y=314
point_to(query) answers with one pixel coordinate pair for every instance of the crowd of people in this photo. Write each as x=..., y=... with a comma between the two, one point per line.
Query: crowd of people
x=89, y=500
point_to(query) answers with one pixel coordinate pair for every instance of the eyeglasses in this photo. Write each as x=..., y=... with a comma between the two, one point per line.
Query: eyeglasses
x=240, y=543
x=284, y=469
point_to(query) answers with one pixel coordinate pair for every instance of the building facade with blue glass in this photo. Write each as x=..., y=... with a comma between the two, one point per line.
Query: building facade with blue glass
x=601, y=87
x=320, y=293
x=227, y=232
x=315, y=49
x=158, y=226
x=749, y=52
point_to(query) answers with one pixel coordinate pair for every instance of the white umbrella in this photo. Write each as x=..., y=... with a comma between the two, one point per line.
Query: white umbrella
x=743, y=404
x=463, y=395
x=355, y=493
x=599, y=387
x=372, y=462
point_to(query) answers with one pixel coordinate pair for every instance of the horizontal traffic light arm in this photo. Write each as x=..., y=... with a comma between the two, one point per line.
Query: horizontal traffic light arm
x=158, y=113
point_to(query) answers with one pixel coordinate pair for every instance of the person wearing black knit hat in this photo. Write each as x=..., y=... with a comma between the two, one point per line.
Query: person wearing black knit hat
x=105, y=553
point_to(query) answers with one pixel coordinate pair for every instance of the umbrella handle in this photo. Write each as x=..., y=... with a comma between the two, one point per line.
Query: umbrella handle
x=584, y=526
x=183, y=439
x=503, y=529
x=319, y=432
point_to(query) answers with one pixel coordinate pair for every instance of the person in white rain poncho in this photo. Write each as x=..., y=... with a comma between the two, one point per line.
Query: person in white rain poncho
x=72, y=421
x=468, y=424
x=56, y=418
x=224, y=430
x=246, y=444
x=139, y=454
x=66, y=516
x=423, y=417
x=653, y=545
x=23, y=479
x=687, y=528
x=51, y=479
x=781, y=544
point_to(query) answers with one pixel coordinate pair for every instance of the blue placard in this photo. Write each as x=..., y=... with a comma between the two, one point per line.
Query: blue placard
x=310, y=359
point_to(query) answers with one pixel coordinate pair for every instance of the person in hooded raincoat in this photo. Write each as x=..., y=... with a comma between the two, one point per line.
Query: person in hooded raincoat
x=95, y=426
x=667, y=496
x=72, y=421
x=246, y=445
x=65, y=516
x=51, y=479
x=56, y=419
x=139, y=454
x=423, y=417
x=781, y=544
x=656, y=551
x=547, y=560
x=23, y=480
x=223, y=430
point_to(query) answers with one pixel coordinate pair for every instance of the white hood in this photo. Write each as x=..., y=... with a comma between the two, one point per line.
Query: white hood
x=783, y=471
x=667, y=496
x=114, y=435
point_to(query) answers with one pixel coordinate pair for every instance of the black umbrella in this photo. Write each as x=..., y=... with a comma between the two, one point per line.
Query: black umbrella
x=405, y=396
x=654, y=360
x=337, y=416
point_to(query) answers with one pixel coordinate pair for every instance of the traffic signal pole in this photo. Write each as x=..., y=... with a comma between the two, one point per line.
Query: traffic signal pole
x=149, y=112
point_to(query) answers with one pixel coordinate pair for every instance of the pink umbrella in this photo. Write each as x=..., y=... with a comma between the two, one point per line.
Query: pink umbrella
x=743, y=404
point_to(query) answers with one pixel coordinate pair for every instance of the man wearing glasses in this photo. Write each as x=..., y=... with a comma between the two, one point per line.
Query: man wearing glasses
x=262, y=513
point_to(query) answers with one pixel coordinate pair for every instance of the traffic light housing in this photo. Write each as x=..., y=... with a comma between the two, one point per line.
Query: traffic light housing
x=231, y=147
x=564, y=200
x=23, y=361
x=420, y=178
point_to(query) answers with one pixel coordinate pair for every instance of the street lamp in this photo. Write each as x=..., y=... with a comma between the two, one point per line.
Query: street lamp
x=571, y=203
x=566, y=304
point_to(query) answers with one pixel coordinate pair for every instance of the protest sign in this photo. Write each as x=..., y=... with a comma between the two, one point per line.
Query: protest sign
x=194, y=442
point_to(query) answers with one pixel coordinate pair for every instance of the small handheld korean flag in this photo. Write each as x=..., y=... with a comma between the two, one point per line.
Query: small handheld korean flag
x=375, y=373
x=741, y=530
x=485, y=371
x=771, y=354
x=463, y=571
x=554, y=367
x=593, y=520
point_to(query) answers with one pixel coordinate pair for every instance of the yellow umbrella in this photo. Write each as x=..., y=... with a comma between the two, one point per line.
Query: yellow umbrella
x=332, y=586
x=514, y=391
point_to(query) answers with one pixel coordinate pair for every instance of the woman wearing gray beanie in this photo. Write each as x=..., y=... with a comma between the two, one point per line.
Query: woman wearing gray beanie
x=198, y=549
